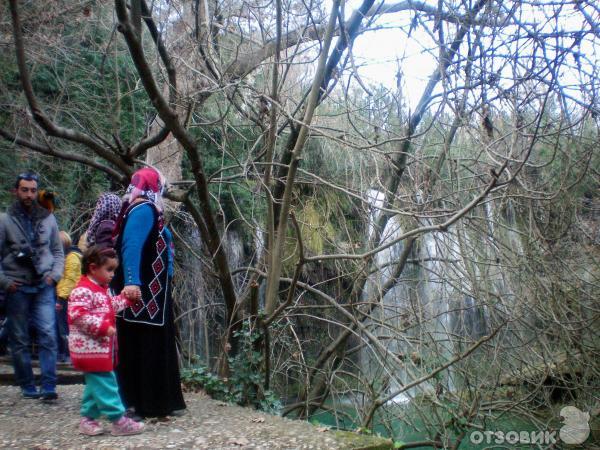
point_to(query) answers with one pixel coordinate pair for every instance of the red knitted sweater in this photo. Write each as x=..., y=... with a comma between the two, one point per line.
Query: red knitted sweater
x=91, y=312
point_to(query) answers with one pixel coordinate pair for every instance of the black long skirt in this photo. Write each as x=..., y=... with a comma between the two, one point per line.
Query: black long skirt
x=147, y=368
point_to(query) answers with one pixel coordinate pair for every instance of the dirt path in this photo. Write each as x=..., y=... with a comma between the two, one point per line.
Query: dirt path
x=208, y=424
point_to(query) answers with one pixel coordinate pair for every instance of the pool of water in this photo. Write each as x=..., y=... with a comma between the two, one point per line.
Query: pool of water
x=403, y=423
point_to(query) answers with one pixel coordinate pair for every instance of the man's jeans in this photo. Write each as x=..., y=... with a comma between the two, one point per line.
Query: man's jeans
x=62, y=331
x=37, y=308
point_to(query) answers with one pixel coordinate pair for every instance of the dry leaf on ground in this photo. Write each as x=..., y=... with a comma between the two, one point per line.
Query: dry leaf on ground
x=239, y=441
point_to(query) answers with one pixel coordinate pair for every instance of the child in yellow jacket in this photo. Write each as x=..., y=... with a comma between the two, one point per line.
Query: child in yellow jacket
x=71, y=275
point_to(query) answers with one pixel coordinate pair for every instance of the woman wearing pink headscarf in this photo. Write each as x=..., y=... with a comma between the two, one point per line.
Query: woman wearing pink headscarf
x=147, y=371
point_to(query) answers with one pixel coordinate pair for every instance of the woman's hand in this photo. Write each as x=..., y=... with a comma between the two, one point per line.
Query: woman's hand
x=132, y=292
x=111, y=331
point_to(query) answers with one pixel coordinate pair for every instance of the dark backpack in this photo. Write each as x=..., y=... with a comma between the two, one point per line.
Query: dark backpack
x=104, y=233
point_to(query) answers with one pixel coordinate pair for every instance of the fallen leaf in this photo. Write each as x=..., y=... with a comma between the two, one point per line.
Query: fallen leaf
x=322, y=429
x=158, y=420
x=239, y=441
x=258, y=419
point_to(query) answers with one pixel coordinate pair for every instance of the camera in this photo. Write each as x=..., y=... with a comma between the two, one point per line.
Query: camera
x=26, y=257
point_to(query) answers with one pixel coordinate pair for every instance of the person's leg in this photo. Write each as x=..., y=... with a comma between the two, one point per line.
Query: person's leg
x=3, y=335
x=3, y=330
x=89, y=408
x=44, y=321
x=62, y=332
x=17, y=314
x=106, y=394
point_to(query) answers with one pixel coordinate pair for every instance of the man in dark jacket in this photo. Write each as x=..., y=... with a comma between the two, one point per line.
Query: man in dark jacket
x=31, y=262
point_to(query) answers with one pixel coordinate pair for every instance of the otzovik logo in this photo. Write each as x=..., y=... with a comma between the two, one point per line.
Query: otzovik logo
x=575, y=431
x=576, y=428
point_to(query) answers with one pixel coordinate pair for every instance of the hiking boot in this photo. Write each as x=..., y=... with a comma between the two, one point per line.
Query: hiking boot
x=90, y=427
x=126, y=426
x=30, y=392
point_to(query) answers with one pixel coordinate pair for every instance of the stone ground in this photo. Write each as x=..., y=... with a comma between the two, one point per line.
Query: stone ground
x=208, y=424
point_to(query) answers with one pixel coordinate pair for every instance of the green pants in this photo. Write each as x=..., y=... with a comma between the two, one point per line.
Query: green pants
x=101, y=396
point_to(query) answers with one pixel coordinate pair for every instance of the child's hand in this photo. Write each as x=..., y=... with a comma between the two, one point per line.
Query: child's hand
x=111, y=331
x=132, y=292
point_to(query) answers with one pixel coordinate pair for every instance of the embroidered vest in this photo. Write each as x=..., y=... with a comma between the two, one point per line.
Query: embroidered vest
x=151, y=308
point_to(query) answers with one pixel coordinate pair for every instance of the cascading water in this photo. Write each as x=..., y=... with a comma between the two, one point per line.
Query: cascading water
x=234, y=248
x=428, y=310
x=199, y=308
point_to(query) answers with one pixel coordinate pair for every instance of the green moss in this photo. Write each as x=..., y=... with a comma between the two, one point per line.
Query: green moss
x=357, y=441
x=315, y=228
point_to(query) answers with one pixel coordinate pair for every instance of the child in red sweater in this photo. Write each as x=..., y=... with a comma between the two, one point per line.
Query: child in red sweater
x=92, y=343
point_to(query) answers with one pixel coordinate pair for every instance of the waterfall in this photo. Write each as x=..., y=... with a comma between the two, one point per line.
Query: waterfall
x=200, y=312
x=430, y=312
x=394, y=302
x=234, y=248
x=193, y=295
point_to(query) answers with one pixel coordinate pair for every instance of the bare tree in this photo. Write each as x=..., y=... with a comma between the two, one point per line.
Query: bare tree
x=394, y=254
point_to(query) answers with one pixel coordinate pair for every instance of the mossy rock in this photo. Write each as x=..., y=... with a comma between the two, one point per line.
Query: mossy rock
x=356, y=441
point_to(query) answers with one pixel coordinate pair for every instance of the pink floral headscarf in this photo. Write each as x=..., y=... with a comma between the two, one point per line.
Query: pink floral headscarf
x=147, y=183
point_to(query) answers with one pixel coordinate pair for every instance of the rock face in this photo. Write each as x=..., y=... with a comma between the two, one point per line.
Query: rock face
x=208, y=424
